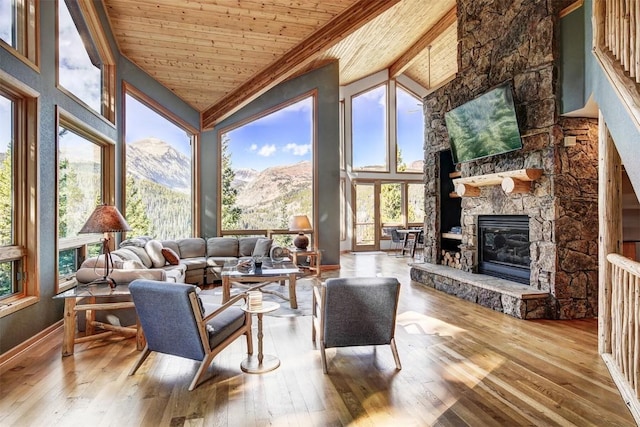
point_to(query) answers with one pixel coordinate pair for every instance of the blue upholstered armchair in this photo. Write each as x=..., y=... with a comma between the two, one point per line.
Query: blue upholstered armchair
x=176, y=322
x=355, y=312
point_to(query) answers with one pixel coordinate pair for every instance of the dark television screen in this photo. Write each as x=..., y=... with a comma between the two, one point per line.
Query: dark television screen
x=484, y=127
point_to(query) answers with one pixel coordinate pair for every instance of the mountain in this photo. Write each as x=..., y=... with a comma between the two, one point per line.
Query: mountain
x=274, y=183
x=266, y=198
x=243, y=176
x=276, y=193
x=157, y=161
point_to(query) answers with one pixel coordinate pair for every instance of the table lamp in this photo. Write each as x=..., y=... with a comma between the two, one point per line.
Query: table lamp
x=300, y=223
x=105, y=219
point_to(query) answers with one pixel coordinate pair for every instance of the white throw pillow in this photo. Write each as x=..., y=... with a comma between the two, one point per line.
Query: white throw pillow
x=154, y=250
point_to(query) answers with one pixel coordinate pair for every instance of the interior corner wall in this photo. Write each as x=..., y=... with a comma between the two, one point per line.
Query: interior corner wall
x=326, y=157
x=572, y=60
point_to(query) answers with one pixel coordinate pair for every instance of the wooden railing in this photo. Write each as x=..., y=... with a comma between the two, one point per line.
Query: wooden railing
x=622, y=34
x=624, y=359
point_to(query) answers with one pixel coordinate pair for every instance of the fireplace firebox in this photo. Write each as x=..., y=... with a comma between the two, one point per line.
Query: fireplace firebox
x=503, y=247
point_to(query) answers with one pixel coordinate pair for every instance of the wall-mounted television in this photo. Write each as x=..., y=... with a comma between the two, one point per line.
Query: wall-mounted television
x=484, y=126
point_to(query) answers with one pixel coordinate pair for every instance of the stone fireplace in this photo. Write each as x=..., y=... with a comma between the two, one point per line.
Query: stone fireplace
x=560, y=206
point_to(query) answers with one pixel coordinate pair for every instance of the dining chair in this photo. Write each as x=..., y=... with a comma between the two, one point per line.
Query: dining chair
x=397, y=241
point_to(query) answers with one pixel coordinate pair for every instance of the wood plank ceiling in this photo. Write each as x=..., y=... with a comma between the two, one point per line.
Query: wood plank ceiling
x=218, y=55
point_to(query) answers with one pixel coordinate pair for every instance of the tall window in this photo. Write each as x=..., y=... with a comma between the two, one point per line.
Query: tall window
x=369, y=130
x=159, y=172
x=17, y=26
x=409, y=132
x=18, y=129
x=80, y=185
x=267, y=169
x=8, y=282
x=79, y=62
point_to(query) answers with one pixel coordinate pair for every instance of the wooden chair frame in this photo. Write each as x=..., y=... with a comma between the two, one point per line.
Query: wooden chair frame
x=210, y=353
x=318, y=320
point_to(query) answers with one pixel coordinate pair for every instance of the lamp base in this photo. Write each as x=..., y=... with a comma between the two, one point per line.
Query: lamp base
x=301, y=241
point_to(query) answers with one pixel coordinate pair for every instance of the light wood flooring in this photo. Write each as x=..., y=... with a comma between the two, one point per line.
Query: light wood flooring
x=463, y=365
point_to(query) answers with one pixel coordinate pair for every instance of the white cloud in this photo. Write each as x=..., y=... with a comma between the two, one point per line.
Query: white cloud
x=6, y=20
x=77, y=73
x=267, y=150
x=253, y=147
x=297, y=149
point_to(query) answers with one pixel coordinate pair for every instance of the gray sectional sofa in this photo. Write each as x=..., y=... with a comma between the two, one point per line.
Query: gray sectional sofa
x=191, y=260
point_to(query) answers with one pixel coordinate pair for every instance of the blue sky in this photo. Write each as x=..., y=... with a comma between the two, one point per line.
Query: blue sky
x=6, y=21
x=282, y=137
x=370, y=127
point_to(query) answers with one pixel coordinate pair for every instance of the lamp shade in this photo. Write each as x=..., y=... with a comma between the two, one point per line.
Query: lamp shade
x=105, y=219
x=299, y=223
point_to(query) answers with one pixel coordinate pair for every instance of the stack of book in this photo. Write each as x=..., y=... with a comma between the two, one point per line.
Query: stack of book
x=254, y=301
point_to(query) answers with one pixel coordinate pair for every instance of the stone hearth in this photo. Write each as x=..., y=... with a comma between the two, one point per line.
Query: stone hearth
x=511, y=298
x=517, y=42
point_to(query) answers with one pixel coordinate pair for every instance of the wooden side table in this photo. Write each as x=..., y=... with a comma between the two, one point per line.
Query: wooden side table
x=90, y=293
x=315, y=259
x=261, y=363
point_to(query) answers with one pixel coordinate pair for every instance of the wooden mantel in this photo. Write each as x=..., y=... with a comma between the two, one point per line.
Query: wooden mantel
x=516, y=181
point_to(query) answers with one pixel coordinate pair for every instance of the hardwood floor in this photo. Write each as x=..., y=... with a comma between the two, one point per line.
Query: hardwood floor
x=463, y=365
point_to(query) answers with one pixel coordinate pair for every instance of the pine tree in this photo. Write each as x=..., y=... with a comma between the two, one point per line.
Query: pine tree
x=390, y=202
x=6, y=220
x=402, y=166
x=6, y=200
x=230, y=212
x=136, y=215
x=70, y=200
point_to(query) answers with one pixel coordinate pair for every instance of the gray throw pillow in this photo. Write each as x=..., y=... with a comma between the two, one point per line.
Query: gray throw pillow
x=262, y=247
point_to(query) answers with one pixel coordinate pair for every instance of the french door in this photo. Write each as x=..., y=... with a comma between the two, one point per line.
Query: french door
x=365, y=216
x=380, y=204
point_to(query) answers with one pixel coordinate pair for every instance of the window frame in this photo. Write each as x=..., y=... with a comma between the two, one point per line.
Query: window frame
x=394, y=140
x=140, y=96
x=82, y=243
x=313, y=94
x=387, y=129
x=108, y=68
x=28, y=25
x=25, y=142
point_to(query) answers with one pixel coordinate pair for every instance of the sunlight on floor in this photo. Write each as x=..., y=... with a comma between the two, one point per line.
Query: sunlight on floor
x=419, y=324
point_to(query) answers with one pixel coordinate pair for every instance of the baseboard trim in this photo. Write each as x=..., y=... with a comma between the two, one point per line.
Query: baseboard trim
x=6, y=357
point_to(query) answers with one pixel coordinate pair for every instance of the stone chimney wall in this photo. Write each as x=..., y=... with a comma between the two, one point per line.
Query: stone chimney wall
x=516, y=42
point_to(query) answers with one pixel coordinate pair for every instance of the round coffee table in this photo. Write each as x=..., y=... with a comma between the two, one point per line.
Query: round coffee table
x=263, y=362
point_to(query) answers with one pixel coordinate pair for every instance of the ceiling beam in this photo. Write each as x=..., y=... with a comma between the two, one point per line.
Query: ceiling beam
x=424, y=42
x=291, y=62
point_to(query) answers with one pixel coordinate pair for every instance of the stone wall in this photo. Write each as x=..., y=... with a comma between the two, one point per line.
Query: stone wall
x=516, y=42
x=576, y=193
